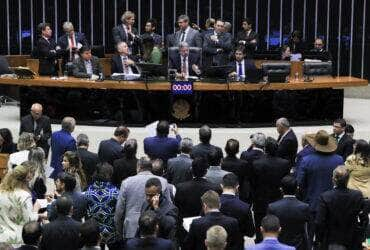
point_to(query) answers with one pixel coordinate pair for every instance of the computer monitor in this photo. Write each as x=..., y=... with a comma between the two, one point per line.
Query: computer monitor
x=151, y=69
x=218, y=73
x=276, y=71
x=317, y=68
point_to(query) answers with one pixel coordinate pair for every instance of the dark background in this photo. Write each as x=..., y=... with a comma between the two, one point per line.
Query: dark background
x=96, y=18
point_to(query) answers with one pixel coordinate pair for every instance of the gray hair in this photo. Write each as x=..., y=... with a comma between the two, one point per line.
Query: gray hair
x=183, y=45
x=258, y=139
x=227, y=26
x=340, y=176
x=37, y=156
x=68, y=123
x=82, y=140
x=126, y=15
x=25, y=141
x=183, y=17
x=283, y=122
x=67, y=26
x=186, y=145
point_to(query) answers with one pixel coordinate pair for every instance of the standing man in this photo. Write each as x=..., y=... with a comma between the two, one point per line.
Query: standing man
x=344, y=141
x=287, y=141
x=125, y=32
x=39, y=125
x=46, y=50
x=62, y=141
x=186, y=33
x=247, y=38
x=111, y=149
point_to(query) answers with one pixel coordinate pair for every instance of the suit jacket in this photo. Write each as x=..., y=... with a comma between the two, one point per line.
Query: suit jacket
x=79, y=69
x=179, y=169
x=232, y=206
x=337, y=217
x=315, y=176
x=203, y=150
x=47, y=56
x=61, y=234
x=79, y=203
x=268, y=172
x=130, y=201
x=61, y=141
x=270, y=243
x=64, y=45
x=164, y=148
x=212, y=57
x=89, y=161
x=198, y=230
x=122, y=169
x=167, y=214
x=248, y=65
x=345, y=146
x=117, y=66
x=193, y=38
x=145, y=244
x=188, y=194
x=307, y=150
x=120, y=35
x=110, y=150
x=175, y=62
x=288, y=147
x=215, y=174
x=43, y=128
x=249, y=47
x=294, y=216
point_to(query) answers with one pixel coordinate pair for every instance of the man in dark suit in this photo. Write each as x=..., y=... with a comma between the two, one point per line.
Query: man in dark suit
x=123, y=62
x=62, y=141
x=241, y=65
x=232, y=206
x=340, y=219
x=70, y=43
x=161, y=146
x=111, y=150
x=148, y=228
x=89, y=159
x=293, y=214
x=186, y=33
x=209, y=27
x=287, y=141
x=87, y=65
x=344, y=141
x=179, y=168
x=213, y=216
x=31, y=236
x=39, y=125
x=186, y=63
x=217, y=46
x=163, y=208
x=125, y=32
x=267, y=174
x=204, y=148
x=46, y=51
x=306, y=150
x=247, y=38
x=62, y=233
x=150, y=29
x=319, y=51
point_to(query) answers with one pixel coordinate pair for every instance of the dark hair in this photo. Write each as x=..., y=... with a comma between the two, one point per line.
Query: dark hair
x=144, y=164
x=82, y=140
x=42, y=26
x=289, y=185
x=130, y=149
x=199, y=167
x=63, y=205
x=270, y=223
x=349, y=129
x=296, y=33
x=148, y=222
x=271, y=146
x=7, y=146
x=104, y=172
x=341, y=121
x=232, y=147
x=163, y=128
x=89, y=233
x=153, y=22
x=157, y=167
x=68, y=180
x=214, y=157
x=122, y=131
x=230, y=180
x=205, y=134
x=31, y=233
x=154, y=182
x=84, y=49
x=362, y=148
x=247, y=20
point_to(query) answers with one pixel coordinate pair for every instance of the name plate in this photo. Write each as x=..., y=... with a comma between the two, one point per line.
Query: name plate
x=182, y=88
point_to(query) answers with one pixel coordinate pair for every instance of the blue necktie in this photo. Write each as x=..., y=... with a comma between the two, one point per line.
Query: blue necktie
x=240, y=73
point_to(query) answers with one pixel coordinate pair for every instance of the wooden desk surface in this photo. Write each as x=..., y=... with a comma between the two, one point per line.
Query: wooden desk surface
x=317, y=83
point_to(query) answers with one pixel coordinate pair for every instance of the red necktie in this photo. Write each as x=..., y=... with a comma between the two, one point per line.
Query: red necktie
x=72, y=41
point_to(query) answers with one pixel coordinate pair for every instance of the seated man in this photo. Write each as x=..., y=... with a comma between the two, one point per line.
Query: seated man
x=319, y=50
x=87, y=65
x=186, y=63
x=241, y=65
x=123, y=62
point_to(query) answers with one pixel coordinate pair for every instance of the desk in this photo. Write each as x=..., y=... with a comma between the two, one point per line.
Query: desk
x=234, y=104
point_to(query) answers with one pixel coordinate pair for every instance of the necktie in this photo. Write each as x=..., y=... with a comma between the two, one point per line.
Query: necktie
x=125, y=67
x=72, y=41
x=240, y=73
x=182, y=36
x=337, y=138
x=184, y=71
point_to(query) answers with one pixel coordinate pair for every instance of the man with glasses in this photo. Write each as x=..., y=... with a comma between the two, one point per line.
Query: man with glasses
x=39, y=125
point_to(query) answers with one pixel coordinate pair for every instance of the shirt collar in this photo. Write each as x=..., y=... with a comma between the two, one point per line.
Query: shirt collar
x=187, y=30
x=289, y=196
x=228, y=193
x=258, y=149
x=215, y=167
x=340, y=136
x=242, y=62
x=285, y=133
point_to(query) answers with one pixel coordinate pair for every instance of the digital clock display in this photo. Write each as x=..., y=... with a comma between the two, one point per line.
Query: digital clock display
x=182, y=88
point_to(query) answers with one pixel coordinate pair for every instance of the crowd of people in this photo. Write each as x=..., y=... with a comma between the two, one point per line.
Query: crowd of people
x=181, y=195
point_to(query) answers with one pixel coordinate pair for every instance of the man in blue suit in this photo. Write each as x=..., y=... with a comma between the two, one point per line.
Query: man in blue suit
x=161, y=146
x=62, y=141
x=270, y=228
x=241, y=65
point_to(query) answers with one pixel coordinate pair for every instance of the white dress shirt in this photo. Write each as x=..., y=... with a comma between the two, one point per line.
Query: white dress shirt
x=126, y=69
x=88, y=66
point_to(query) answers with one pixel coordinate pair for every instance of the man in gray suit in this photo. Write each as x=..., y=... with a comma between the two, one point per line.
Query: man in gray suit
x=214, y=173
x=87, y=65
x=186, y=33
x=131, y=198
x=179, y=168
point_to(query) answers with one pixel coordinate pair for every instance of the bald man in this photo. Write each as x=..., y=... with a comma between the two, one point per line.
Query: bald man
x=39, y=125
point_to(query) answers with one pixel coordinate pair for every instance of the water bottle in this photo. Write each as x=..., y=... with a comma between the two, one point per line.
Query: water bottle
x=65, y=74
